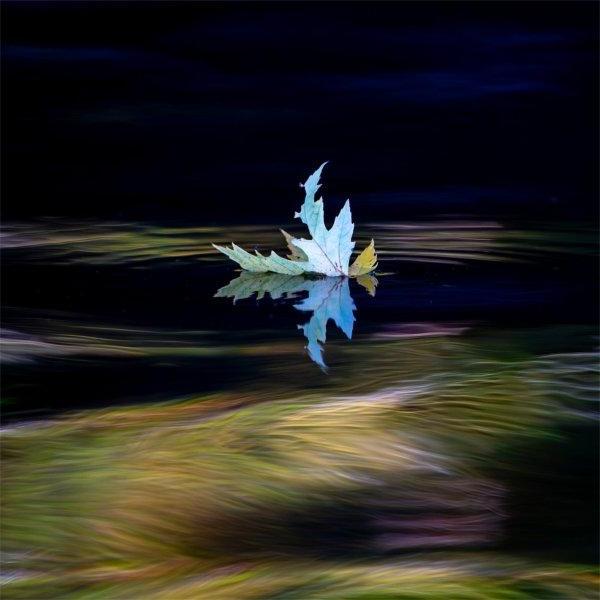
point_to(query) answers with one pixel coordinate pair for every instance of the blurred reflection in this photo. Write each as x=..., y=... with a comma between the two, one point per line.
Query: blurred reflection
x=248, y=494
x=328, y=298
x=443, y=241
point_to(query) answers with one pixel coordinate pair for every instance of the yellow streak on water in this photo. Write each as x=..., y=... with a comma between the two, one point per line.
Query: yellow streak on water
x=448, y=241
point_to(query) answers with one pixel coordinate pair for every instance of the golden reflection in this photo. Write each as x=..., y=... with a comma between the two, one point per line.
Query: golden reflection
x=440, y=241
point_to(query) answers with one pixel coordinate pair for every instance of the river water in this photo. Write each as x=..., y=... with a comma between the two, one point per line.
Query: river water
x=174, y=428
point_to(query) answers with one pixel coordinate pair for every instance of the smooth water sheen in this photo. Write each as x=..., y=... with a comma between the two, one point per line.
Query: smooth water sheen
x=176, y=429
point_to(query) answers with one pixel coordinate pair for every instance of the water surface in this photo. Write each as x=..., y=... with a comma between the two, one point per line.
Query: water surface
x=175, y=428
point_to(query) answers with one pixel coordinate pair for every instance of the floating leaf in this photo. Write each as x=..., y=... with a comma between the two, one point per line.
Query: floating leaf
x=365, y=262
x=327, y=253
x=257, y=263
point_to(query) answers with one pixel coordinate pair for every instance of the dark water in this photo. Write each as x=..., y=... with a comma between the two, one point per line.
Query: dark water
x=175, y=430
x=431, y=430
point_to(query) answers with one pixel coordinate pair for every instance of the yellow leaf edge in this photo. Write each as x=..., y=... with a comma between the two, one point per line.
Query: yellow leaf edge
x=365, y=262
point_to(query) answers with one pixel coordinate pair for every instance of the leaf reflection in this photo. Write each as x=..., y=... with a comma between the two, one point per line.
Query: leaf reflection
x=328, y=298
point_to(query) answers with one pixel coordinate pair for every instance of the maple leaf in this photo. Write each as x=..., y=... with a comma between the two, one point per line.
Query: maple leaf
x=327, y=252
x=257, y=263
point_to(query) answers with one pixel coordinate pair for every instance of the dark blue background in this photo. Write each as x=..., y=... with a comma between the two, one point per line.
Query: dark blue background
x=200, y=112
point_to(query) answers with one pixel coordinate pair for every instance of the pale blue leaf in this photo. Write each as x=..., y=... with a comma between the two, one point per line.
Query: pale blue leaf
x=327, y=253
x=312, y=212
